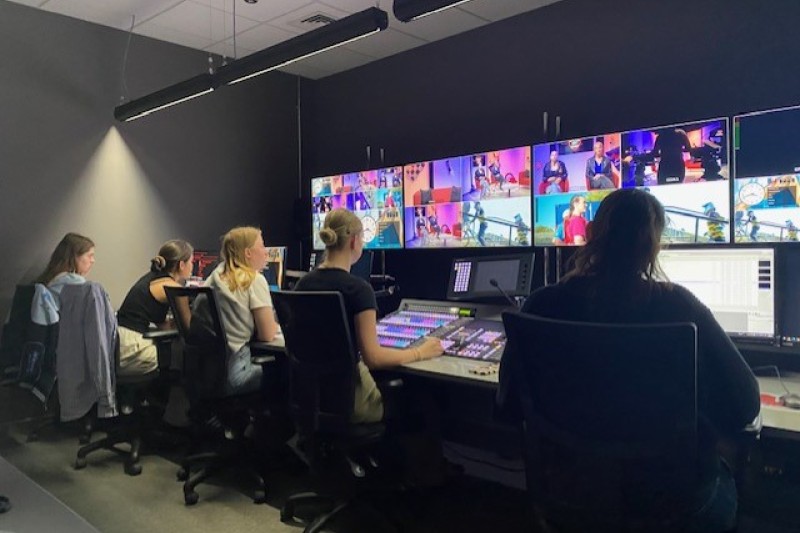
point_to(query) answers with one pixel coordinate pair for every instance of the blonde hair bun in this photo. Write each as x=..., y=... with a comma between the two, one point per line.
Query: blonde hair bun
x=328, y=237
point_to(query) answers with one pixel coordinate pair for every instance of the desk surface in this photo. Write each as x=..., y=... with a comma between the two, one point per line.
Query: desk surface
x=777, y=416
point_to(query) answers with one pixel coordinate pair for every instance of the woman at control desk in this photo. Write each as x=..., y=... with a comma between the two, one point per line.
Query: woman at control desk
x=342, y=235
x=615, y=279
x=244, y=302
x=146, y=303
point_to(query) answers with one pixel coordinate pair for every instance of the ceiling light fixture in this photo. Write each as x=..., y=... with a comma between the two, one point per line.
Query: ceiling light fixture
x=408, y=10
x=166, y=97
x=338, y=33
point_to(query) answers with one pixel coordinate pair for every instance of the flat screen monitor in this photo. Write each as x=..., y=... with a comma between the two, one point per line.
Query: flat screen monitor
x=766, y=196
x=204, y=262
x=363, y=267
x=737, y=284
x=571, y=178
x=473, y=201
x=685, y=166
x=788, y=289
x=475, y=278
x=276, y=259
x=376, y=196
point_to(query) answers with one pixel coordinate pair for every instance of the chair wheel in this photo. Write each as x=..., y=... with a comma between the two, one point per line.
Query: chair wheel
x=286, y=515
x=80, y=463
x=260, y=496
x=133, y=469
x=182, y=474
x=190, y=498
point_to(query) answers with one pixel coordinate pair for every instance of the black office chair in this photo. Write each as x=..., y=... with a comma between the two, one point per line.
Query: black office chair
x=205, y=374
x=323, y=374
x=607, y=410
x=27, y=355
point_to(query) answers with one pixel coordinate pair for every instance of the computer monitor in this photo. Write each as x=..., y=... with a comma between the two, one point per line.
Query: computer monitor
x=737, y=284
x=788, y=328
x=375, y=196
x=471, y=201
x=767, y=163
x=363, y=267
x=276, y=257
x=313, y=260
x=475, y=278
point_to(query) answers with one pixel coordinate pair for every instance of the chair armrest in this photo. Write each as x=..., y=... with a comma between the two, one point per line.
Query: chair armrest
x=753, y=429
x=161, y=335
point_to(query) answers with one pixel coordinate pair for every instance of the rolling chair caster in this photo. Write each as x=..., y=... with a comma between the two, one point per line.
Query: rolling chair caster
x=182, y=474
x=133, y=469
x=190, y=498
x=260, y=496
x=80, y=463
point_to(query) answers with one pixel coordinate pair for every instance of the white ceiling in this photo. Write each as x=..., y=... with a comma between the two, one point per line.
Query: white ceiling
x=209, y=25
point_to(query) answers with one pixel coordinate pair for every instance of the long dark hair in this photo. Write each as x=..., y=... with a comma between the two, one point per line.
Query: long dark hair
x=65, y=255
x=625, y=240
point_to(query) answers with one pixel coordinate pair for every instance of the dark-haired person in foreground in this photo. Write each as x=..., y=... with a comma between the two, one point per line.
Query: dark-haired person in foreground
x=614, y=279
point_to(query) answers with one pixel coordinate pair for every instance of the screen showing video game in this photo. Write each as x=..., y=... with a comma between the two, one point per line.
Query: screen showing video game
x=766, y=199
x=685, y=166
x=376, y=196
x=571, y=178
x=480, y=200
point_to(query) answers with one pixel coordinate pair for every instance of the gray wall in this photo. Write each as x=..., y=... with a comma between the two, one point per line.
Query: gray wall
x=190, y=172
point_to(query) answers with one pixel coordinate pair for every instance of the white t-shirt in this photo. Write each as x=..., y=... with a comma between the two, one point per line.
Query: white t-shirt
x=236, y=308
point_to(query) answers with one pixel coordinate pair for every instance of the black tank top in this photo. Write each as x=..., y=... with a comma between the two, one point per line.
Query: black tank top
x=139, y=308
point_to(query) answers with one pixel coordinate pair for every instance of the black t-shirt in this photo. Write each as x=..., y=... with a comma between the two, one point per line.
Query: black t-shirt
x=139, y=308
x=357, y=293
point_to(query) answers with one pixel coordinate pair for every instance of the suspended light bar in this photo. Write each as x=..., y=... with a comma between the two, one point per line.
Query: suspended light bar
x=166, y=97
x=338, y=33
x=408, y=10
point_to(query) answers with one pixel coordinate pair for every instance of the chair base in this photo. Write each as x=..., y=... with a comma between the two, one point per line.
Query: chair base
x=198, y=467
x=331, y=508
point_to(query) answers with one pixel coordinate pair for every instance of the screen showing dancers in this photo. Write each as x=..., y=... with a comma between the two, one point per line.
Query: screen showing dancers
x=376, y=196
x=480, y=200
x=685, y=166
x=766, y=199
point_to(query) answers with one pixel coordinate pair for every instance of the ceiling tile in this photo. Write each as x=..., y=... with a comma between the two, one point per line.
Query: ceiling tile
x=262, y=36
x=440, y=25
x=226, y=49
x=262, y=11
x=291, y=21
x=385, y=43
x=155, y=31
x=495, y=10
x=212, y=25
x=116, y=14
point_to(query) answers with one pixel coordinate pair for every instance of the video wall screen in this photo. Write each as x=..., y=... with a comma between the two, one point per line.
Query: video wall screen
x=480, y=200
x=766, y=199
x=685, y=166
x=376, y=196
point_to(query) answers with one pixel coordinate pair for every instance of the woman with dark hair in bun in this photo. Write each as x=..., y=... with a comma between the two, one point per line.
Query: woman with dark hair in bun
x=146, y=303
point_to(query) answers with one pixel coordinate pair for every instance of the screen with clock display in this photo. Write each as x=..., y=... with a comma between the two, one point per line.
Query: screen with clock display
x=767, y=162
x=478, y=200
x=375, y=196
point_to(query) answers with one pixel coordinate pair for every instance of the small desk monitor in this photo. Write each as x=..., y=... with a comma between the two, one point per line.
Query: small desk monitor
x=363, y=267
x=736, y=284
x=476, y=278
x=276, y=257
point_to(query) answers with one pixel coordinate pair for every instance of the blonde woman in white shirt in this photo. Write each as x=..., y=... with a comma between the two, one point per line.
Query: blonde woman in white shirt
x=244, y=303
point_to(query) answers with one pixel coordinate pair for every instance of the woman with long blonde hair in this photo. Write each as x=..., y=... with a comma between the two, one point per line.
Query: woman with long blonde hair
x=244, y=303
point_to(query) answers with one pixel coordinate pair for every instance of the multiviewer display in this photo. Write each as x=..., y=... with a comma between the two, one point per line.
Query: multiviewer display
x=479, y=200
x=685, y=166
x=376, y=196
x=767, y=160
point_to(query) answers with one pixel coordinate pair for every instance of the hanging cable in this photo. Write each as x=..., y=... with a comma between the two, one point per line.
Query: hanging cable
x=235, y=55
x=124, y=95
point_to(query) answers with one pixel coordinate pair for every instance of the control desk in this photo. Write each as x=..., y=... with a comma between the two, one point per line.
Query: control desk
x=472, y=336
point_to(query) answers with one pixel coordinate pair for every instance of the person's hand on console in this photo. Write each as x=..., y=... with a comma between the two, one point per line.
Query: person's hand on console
x=430, y=348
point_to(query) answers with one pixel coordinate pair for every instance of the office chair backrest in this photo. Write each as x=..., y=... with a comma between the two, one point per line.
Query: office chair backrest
x=322, y=359
x=15, y=330
x=610, y=417
x=200, y=326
